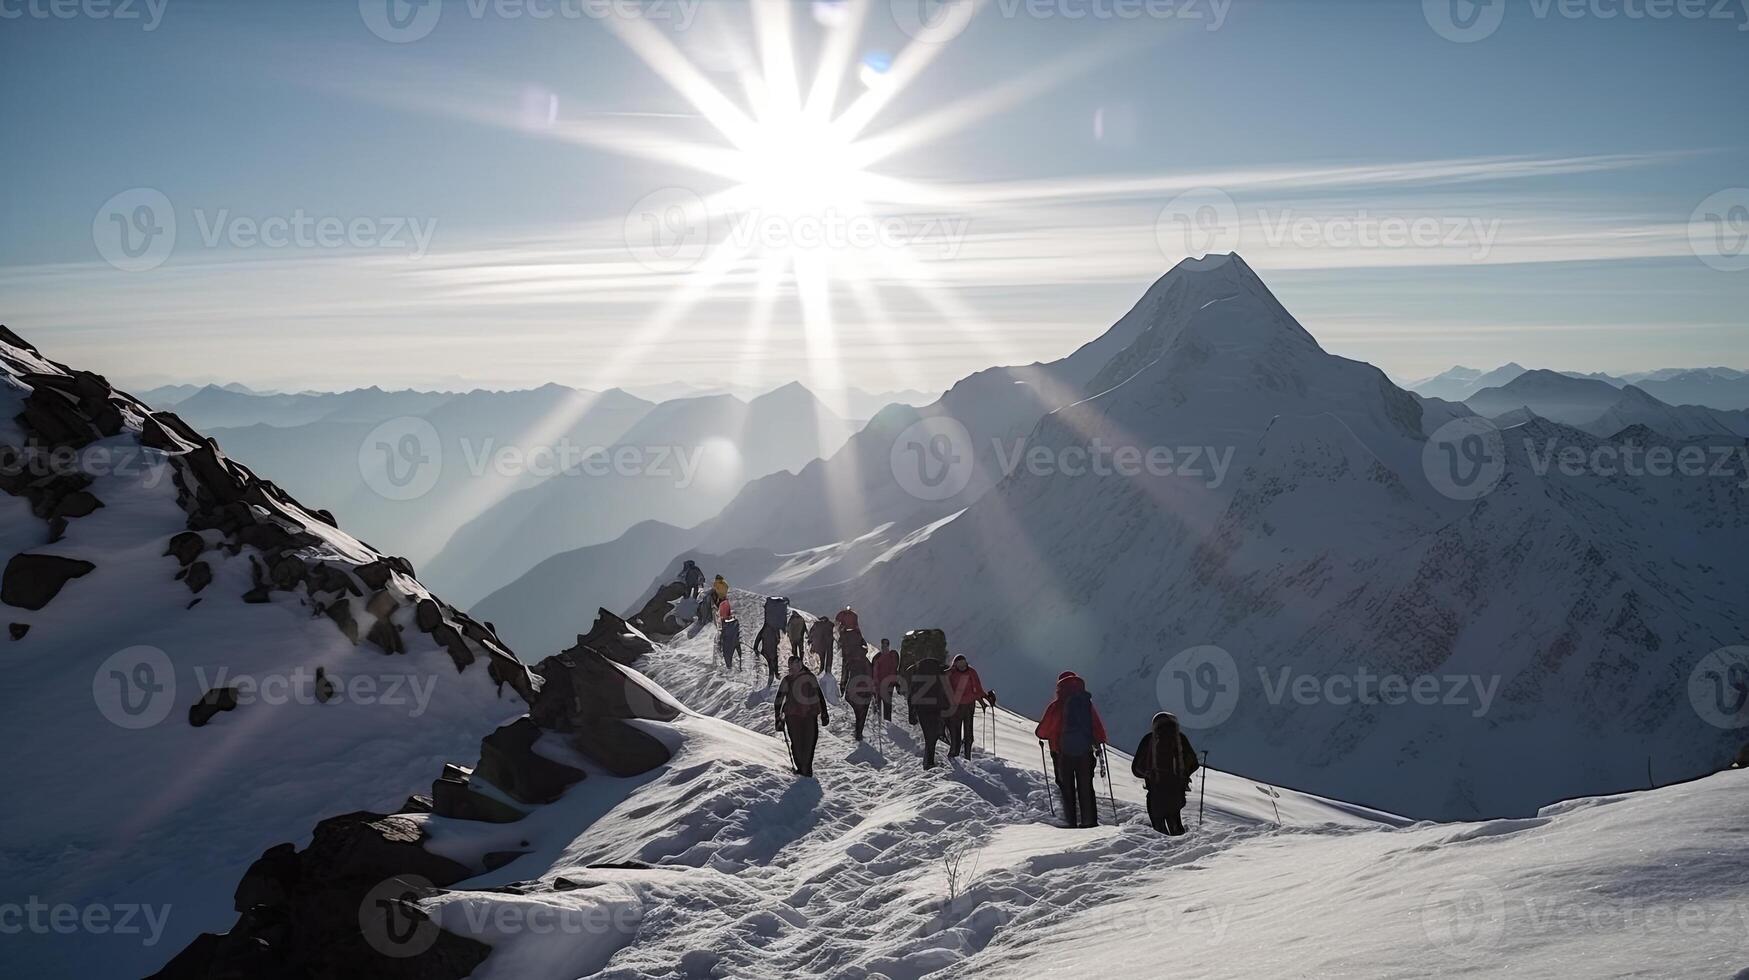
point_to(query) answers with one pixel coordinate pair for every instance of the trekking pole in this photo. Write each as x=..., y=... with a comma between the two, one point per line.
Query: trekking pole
x=1109, y=793
x=1045, y=774
x=1203, y=797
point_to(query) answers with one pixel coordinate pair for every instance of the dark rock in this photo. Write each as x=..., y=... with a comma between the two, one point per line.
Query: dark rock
x=1743, y=756
x=79, y=503
x=8, y=337
x=186, y=546
x=580, y=685
x=366, y=846
x=493, y=860
x=564, y=884
x=54, y=418
x=417, y=804
x=325, y=517
x=199, y=576
x=382, y=604
x=508, y=761
x=286, y=573
x=324, y=686
x=57, y=529
x=387, y=636
x=272, y=880
x=453, y=795
x=192, y=603
x=427, y=615
x=326, y=578
x=450, y=639
x=616, y=639
x=374, y=575
x=657, y=616
x=258, y=595
x=32, y=581
x=18, y=630
x=341, y=613
x=620, y=748
x=211, y=703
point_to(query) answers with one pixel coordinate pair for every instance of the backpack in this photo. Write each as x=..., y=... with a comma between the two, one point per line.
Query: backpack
x=1077, y=735
x=919, y=645
x=776, y=611
x=803, y=698
x=731, y=635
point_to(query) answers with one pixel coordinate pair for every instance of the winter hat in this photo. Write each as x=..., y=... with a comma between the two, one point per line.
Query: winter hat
x=959, y=658
x=1065, y=675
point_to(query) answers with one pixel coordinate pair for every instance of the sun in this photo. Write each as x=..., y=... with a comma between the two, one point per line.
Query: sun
x=797, y=167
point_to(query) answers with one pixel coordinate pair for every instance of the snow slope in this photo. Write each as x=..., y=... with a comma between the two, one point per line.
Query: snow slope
x=115, y=800
x=724, y=864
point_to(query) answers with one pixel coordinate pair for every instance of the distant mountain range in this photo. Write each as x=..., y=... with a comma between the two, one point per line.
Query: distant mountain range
x=1722, y=388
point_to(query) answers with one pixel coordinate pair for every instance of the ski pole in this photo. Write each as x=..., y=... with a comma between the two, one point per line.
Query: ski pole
x=1109, y=793
x=1045, y=773
x=1204, y=795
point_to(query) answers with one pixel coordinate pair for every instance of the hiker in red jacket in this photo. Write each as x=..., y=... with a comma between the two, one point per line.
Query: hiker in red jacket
x=1075, y=732
x=886, y=677
x=801, y=710
x=846, y=620
x=964, y=690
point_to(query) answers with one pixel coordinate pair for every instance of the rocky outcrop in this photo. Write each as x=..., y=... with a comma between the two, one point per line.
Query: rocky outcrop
x=32, y=581
x=343, y=907
x=657, y=617
x=616, y=639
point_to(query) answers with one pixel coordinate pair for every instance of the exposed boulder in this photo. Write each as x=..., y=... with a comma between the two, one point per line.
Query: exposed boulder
x=591, y=698
x=453, y=795
x=199, y=576
x=620, y=748
x=32, y=581
x=211, y=703
x=186, y=546
x=508, y=761
x=18, y=630
x=657, y=616
x=616, y=639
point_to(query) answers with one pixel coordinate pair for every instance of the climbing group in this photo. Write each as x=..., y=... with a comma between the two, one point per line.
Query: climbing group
x=943, y=700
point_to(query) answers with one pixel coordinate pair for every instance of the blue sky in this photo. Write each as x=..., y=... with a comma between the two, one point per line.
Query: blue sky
x=495, y=192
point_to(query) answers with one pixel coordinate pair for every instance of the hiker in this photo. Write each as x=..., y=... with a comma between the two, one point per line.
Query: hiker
x=798, y=628
x=1164, y=761
x=886, y=676
x=858, y=683
x=964, y=691
x=846, y=620
x=800, y=712
x=1072, y=727
x=724, y=611
x=730, y=638
x=925, y=702
x=765, y=645
x=692, y=577
x=720, y=590
x=820, y=638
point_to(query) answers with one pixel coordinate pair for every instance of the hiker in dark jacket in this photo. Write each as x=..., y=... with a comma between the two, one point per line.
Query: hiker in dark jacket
x=820, y=639
x=926, y=704
x=798, y=629
x=730, y=641
x=857, y=682
x=765, y=646
x=1075, y=732
x=886, y=677
x=1164, y=761
x=800, y=712
x=692, y=577
x=965, y=694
